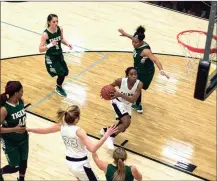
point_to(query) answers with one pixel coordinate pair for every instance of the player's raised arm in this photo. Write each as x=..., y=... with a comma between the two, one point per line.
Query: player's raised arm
x=123, y=33
x=87, y=142
x=51, y=129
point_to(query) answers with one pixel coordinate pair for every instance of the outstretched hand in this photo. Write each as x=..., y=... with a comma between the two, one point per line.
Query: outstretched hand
x=70, y=46
x=111, y=130
x=123, y=33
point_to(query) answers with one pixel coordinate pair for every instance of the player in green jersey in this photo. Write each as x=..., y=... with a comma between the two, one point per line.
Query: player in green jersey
x=144, y=61
x=15, y=139
x=51, y=41
x=118, y=170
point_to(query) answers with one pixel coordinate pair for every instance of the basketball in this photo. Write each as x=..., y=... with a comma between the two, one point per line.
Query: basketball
x=106, y=91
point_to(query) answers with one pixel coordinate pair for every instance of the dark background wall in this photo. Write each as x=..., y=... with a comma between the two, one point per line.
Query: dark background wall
x=196, y=8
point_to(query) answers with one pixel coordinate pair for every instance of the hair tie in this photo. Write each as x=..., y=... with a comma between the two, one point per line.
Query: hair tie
x=136, y=36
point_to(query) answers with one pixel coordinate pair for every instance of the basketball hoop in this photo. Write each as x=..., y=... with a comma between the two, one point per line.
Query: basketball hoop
x=192, y=43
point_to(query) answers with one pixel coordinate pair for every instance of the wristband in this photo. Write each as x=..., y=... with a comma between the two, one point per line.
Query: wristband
x=49, y=45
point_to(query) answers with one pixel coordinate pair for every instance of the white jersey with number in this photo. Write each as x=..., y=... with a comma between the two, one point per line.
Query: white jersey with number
x=74, y=146
x=126, y=91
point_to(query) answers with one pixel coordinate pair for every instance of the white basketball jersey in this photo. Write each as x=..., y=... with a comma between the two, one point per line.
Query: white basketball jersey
x=74, y=147
x=125, y=90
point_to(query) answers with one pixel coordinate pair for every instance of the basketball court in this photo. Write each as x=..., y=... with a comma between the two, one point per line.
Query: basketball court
x=175, y=128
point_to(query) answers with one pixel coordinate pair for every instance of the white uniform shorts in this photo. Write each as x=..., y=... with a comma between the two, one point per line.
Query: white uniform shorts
x=81, y=169
x=121, y=109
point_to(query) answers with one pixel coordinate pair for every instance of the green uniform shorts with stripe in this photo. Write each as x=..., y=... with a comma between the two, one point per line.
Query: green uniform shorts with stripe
x=15, y=153
x=56, y=65
x=146, y=78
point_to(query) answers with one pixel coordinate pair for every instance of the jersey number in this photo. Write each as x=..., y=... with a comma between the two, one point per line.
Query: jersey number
x=22, y=121
x=70, y=142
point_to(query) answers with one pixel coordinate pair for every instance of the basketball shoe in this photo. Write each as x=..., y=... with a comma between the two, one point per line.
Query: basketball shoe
x=109, y=141
x=137, y=108
x=60, y=91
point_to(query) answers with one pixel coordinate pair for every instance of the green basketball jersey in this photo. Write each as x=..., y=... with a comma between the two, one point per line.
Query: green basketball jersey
x=143, y=65
x=55, y=50
x=16, y=115
x=111, y=169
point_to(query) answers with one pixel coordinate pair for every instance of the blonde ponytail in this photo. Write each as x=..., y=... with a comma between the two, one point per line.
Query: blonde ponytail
x=120, y=174
x=119, y=156
x=60, y=115
x=69, y=115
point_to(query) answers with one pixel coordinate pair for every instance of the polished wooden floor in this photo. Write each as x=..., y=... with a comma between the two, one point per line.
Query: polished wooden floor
x=170, y=112
x=174, y=126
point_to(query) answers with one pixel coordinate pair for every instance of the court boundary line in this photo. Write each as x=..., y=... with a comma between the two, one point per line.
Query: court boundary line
x=36, y=33
x=25, y=29
x=127, y=51
x=69, y=80
x=92, y=51
x=131, y=151
x=27, y=105
x=22, y=56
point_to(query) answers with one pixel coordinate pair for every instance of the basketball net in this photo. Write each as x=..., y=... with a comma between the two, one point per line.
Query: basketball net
x=192, y=43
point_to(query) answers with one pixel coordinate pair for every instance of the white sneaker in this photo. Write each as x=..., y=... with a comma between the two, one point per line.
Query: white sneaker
x=102, y=132
x=110, y=143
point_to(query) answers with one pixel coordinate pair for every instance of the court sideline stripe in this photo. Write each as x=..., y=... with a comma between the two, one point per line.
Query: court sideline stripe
x=70, y=80
x=127, y=51
x=73, y=78
x=27, y=105
x=19, y=27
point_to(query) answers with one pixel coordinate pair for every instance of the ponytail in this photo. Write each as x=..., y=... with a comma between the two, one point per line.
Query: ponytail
x=49, y=18
x=3, y=99
x=10, y=89
x=60, y=115
x=139, y=34
x=69, y=115
x=140, y=29
x=120, y=174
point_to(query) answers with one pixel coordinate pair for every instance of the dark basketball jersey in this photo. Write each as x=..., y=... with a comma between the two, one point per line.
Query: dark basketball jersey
x=16, y=115
x=143, y=65
x=111, y=169
x=55, y=50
